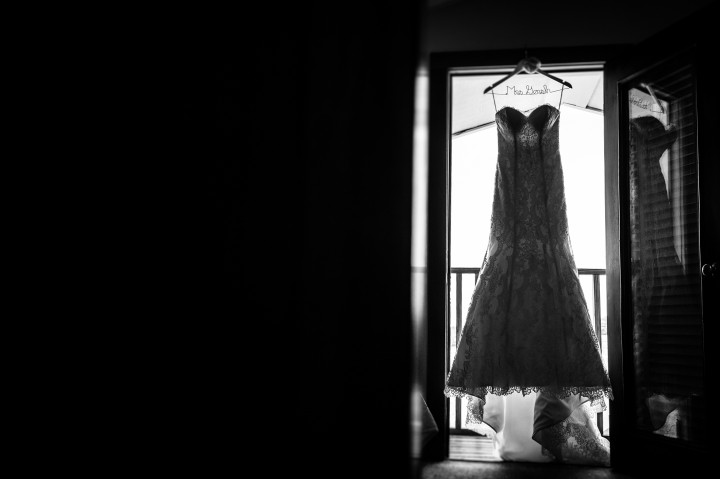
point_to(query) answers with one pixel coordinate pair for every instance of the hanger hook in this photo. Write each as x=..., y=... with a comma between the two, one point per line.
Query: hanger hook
x=529, y=65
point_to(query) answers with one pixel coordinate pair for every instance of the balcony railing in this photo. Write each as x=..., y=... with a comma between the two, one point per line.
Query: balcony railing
x=462, y=284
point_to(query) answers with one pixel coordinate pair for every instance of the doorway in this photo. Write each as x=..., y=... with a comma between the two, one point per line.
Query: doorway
x=651, y=68
x=472, y=164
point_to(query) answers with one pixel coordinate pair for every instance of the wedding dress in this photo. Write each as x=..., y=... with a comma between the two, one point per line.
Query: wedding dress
x=665, y=299
x=528, y=360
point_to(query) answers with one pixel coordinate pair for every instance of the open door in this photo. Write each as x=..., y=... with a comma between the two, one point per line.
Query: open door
x=663, y=247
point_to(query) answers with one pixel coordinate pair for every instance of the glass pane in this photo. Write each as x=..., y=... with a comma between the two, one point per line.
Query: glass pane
x=665, y=283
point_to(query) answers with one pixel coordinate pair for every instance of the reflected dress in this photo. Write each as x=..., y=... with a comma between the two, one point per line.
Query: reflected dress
x=665, y=299
x=527, y=329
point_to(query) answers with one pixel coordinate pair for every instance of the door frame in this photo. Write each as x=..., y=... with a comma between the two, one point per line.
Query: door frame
x=441, y=65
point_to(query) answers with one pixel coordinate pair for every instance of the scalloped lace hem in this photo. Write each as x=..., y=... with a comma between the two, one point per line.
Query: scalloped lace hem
x=596, y=394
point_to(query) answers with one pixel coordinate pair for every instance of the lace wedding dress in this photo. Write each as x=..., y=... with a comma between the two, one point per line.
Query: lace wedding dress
x=662, y=292
x=529, y=360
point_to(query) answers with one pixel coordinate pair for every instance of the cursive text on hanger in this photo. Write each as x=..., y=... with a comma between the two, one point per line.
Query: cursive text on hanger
x=645, y=105
x=529, y=90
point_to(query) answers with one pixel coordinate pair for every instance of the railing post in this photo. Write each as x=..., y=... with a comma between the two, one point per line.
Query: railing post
x=458, y=333
x=598, y=330
x=598, y=311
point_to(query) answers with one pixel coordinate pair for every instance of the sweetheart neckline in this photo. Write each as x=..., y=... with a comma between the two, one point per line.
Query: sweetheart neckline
x=544, y=105
x=511, y=114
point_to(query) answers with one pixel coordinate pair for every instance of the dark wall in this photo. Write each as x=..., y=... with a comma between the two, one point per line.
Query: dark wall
x=457, y=25
x=287, y=209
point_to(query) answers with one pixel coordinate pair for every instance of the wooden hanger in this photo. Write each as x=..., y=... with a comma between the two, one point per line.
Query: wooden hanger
x=527, y=65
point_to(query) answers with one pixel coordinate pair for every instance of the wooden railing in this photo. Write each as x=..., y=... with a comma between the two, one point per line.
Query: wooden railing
x=594, y=300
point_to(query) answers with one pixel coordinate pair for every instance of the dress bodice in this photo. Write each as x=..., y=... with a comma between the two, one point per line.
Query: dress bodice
x=529, y=177
x=516, y=127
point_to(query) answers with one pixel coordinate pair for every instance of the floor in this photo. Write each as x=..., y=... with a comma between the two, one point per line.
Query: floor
x=474, y=457
x=457, y=469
